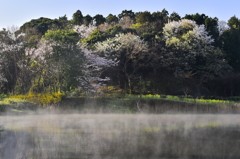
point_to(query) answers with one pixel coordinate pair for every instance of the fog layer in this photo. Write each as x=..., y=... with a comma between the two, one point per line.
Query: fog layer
x=120, y=136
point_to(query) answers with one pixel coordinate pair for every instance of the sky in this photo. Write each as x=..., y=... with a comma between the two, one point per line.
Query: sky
x=18, y=12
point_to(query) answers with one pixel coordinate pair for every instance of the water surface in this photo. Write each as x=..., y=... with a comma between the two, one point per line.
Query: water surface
x=120, y=136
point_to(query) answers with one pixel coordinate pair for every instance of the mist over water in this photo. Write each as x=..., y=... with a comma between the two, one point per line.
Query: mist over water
x=120, y=136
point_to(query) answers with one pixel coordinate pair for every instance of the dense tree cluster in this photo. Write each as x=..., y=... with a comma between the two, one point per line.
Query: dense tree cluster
x=138, y=52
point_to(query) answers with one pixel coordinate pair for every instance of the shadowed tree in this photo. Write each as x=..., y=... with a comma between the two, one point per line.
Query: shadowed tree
x=77, y=18
x=229, y=42
x=174, y=16
x=41, y=25
x=144, y=17
x=87, y=20
x=111, y=19
x=63, y=22
x=99, y=19
x=15, y=69
x=127, y=13
x=234, y=22
x=161, y=16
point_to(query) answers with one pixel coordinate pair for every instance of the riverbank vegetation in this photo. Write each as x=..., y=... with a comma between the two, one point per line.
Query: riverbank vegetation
x=133, y=56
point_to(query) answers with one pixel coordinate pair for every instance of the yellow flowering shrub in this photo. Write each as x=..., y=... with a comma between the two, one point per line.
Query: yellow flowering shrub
x=41, y=99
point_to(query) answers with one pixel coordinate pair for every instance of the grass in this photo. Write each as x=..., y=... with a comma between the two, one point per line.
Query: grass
x=189, y=99
x=128, y=104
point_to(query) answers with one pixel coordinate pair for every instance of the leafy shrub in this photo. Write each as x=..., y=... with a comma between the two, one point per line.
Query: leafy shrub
x=3, y=96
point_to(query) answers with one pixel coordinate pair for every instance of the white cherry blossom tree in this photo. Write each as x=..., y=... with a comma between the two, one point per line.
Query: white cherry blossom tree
x=189, y=51
x=93, y=67
x=128, y=49
x=83, y=30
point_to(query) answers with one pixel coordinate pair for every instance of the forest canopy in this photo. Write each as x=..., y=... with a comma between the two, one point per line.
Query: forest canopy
x=135, y=52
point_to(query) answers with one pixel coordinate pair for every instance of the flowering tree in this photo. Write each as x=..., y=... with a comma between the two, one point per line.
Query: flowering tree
x=13, y=65
x=84, y=31
x=222, y=26
x=189, y=54
x=67, y=63
x=189, y=50
x=58, y=59
x=128, y=49
x=186, y=35
x=93, y=67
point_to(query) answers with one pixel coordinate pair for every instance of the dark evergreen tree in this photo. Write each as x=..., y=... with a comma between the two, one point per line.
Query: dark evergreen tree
x=77, y=18
x=174, y=16
x=111, y=19
x=41, y=25
x=234, y=22
x=161, y=16
x=87, y=20
x=128, y=13
x=99, y=19
x=144, y=17
x=63, y=22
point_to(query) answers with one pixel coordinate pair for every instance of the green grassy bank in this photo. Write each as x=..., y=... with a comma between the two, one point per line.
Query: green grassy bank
x=127, y=104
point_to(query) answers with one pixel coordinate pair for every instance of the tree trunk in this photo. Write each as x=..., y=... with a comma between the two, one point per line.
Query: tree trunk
x=129, y=83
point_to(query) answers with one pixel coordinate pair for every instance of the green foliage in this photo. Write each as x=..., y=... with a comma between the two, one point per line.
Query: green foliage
x=99, y=19
x=112, y=31
x=161, y=16
x=62, y=36
x=33, y=40
x=94, y=37
x=63, y=22
x=234, y=22
x=229, y=42
x=61, y=60
x=128, y=13
x=111, y=19
x=211, y=25
x=77, y=18
x=149, y=36
x=136, y=25
x=199, y=19
x=182, y=99
x=87, y=20
x=2, y=96
x=174, y=16
x=144, y=17
x=41, y=25
x=48, y=56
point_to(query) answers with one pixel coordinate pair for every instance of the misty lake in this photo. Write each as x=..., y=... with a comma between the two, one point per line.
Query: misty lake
x=120, y=136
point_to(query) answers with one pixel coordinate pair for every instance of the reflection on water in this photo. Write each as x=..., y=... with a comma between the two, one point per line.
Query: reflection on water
x=120, y=136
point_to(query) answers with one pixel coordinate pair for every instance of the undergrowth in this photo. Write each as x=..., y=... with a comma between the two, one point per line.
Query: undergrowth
x=41, y=99
x=188, y=99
